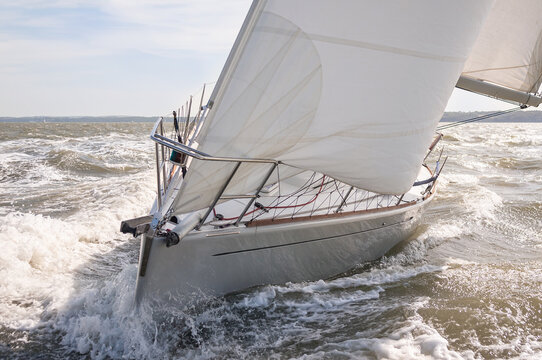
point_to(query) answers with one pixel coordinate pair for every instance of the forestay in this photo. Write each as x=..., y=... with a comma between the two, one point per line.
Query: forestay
x=509, y=50
x=352, y=89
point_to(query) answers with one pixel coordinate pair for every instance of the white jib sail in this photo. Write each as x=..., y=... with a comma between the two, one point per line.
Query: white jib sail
x=508, y=51
x=353, y=89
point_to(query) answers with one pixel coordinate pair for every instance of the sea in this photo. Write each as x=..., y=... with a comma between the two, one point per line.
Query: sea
x=466, y=285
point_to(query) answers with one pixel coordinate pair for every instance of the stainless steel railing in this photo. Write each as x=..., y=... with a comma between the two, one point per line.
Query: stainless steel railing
x=165, y=145
x=162, y=160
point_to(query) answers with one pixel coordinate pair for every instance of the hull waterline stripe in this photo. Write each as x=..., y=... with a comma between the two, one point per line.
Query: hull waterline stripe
x=307, y=241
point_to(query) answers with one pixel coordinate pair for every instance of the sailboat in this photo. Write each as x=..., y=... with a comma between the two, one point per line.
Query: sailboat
x=308, y=157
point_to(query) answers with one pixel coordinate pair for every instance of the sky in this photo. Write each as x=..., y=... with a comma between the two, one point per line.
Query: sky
x=122, y=57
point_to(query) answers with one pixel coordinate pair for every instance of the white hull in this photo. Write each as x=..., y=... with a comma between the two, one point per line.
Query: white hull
x=222, y=261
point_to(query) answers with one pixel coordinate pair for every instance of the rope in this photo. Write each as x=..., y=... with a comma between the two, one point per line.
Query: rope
x=479, y=118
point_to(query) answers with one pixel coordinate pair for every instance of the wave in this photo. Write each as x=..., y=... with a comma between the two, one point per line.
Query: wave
x=517, y=164
x=466, y=285
x=89, y=164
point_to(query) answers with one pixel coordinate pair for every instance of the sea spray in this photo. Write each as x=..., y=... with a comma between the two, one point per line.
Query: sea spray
x=466, y=285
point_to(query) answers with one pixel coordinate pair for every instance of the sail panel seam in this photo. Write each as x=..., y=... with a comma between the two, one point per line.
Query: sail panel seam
x=384, y=48
x=502, y=68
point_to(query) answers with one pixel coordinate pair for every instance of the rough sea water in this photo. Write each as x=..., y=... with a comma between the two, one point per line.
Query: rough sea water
x=467, y=285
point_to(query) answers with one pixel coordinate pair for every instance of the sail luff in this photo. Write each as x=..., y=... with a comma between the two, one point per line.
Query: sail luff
x=229, y=66
x=235, y=53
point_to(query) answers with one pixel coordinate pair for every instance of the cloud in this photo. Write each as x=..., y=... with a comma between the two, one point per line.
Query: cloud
x=195, y=25
x=20, y=53
x=59, y=29
x=110, y=53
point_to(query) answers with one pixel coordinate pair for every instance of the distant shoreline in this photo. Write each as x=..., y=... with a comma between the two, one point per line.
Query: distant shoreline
x=78, y=119
x=519, y=116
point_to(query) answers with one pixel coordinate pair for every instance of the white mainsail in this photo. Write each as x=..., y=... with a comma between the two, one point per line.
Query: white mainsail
x=508, y=52
x=352, y=89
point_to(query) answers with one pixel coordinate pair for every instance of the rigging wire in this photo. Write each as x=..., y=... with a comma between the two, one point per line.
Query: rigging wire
x=481, y=117
x=280, y=207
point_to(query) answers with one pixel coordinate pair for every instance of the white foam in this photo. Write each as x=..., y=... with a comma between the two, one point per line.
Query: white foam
x=102, y=320
x=483, y=203
x=413, y=340
x=260, y=298
x=50, y=276
x=42, y=255
x=457, y=261
x=461, y=179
